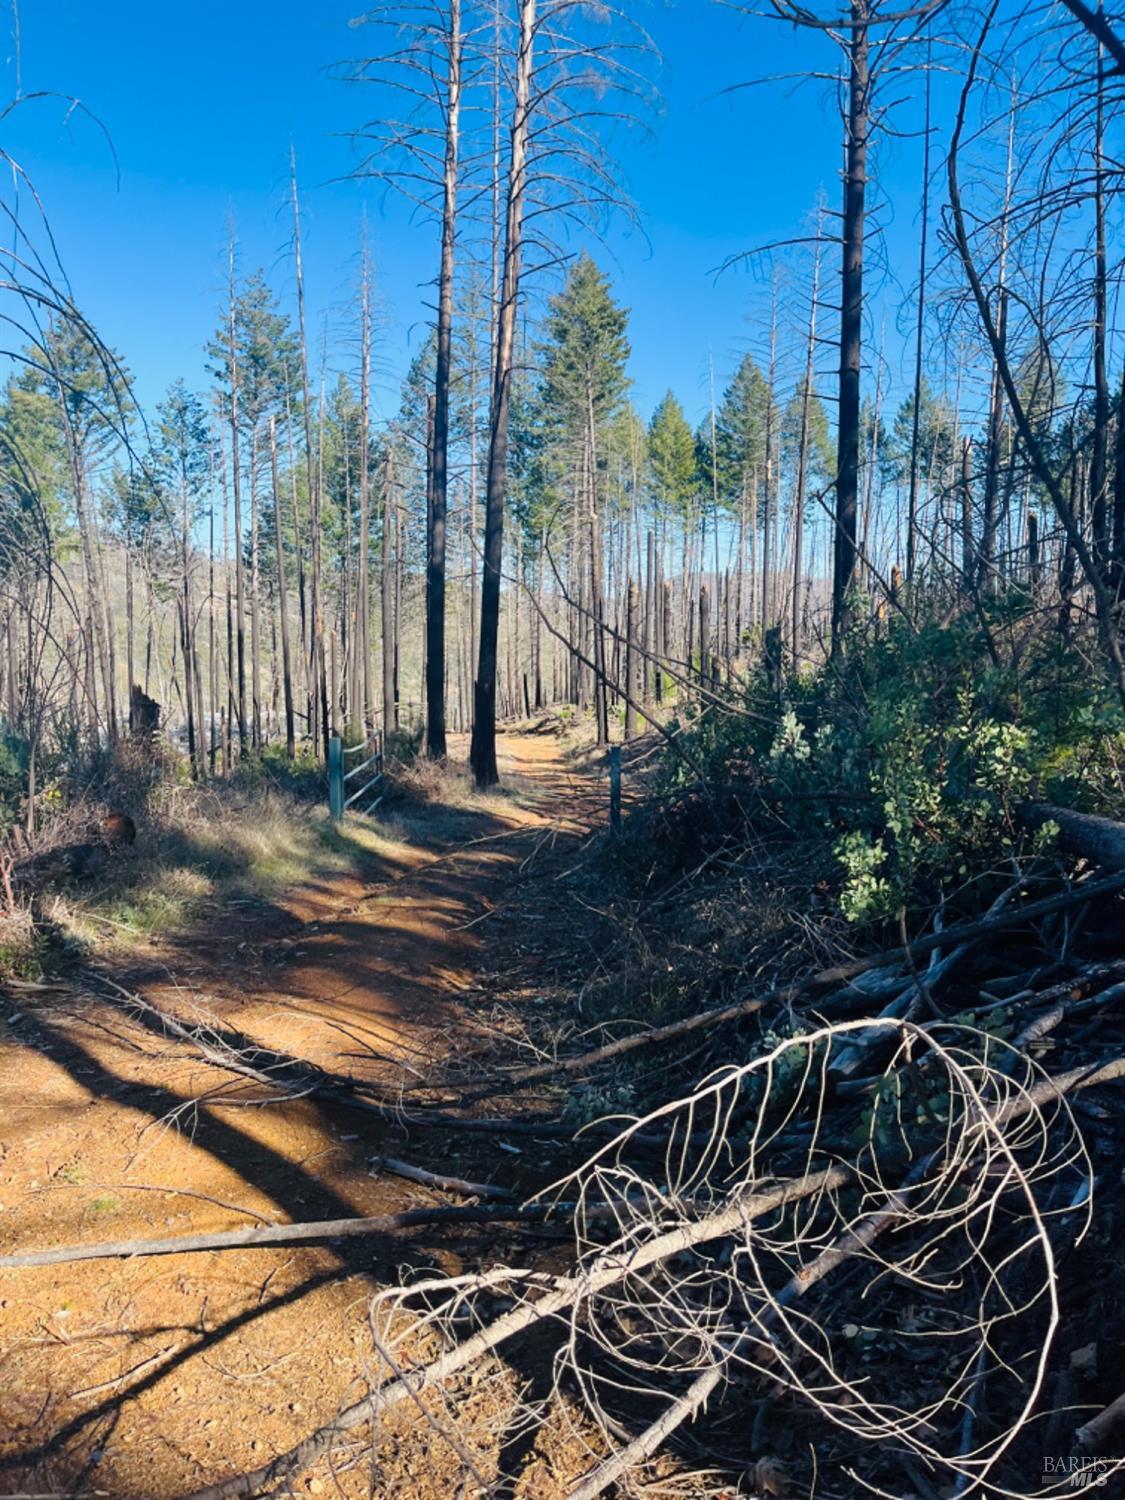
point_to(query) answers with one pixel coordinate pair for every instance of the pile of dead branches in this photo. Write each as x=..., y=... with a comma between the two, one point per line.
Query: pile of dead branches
x=876, y=1257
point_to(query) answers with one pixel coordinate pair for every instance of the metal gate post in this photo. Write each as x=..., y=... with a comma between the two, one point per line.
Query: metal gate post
x=336, y=778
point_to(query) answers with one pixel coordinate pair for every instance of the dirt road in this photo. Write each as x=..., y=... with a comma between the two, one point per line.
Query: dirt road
x=149, y=1378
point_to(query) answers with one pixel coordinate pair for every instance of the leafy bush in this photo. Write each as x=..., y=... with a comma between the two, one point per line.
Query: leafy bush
x=302, y=777
x=910, y=757
x=404, y=744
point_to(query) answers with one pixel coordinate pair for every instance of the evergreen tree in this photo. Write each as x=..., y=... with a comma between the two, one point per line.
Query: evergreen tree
x=90, y=388
x=341, y=451
x=585, y=351
x=582, y=388
x=935, y=435
x=821, y=454
x=183, y=443
x=267, y=352
x=32, y=452
x=672, y=459
x=741, y=423
x=257, y=363
x=409, y=443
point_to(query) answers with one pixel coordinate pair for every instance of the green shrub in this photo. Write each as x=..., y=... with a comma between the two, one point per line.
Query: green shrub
x=404, y=744
x=303, y=777
x=910, y=757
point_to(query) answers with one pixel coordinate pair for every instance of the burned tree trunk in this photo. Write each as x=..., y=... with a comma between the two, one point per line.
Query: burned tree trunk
x=483, y=753
x=439, y=453
x=387, y=598
x=851, y=321
x=282, y=603
x=1100, y=840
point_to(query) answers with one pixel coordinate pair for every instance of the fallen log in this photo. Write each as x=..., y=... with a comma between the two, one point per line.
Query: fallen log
x=1101, y=840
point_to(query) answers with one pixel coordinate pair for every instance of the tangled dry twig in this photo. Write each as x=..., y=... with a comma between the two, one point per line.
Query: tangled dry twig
x=758, y=1251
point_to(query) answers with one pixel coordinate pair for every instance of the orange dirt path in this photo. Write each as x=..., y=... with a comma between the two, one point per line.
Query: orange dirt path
x=146, y=1379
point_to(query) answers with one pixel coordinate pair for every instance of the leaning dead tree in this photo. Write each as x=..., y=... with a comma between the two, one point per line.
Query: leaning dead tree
x=1040, y=301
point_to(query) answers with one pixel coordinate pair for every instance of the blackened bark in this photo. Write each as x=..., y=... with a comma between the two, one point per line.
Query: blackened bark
x=483, y=752
x=439, y=460
x=851, y=322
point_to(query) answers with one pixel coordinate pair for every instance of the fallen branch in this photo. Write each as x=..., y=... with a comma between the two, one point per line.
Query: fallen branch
x=1051, y=1089
x=831, y=978
x=651, y=1439
x=288, y=1234
x=561, y=1293
x=119, y=1380
x=857, y=1240
x=687, y=1405
x=436, y=1180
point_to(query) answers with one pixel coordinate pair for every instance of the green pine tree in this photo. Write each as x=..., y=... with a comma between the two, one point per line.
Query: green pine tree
x=741, y=435
x=672, y=459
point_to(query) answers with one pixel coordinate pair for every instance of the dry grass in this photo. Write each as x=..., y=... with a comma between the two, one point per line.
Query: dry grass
x=416, y=780
x=448, y=784
x=199, y=849
x=23, y=950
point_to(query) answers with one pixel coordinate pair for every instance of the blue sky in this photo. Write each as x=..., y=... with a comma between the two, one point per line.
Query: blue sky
x=201, y=102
